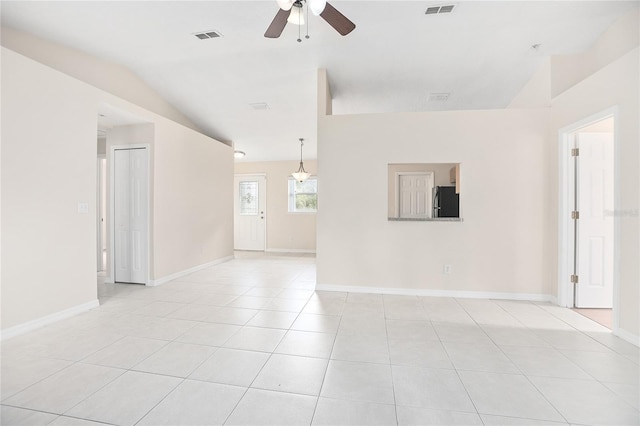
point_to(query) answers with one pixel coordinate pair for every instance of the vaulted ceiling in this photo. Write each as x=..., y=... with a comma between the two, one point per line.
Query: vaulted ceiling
x=480, y=54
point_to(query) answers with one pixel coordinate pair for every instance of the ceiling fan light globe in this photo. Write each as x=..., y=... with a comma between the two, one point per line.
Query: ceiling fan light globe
x=285, y=4
x=296, y=16
x=317, y=6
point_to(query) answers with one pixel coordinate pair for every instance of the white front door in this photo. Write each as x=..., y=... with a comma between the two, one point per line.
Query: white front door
x=130, y=215
x=595, y=224
x=415, y=191
x=250, y=212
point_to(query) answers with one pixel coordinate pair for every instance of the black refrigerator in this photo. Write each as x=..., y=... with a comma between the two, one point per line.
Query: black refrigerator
x=446, y=202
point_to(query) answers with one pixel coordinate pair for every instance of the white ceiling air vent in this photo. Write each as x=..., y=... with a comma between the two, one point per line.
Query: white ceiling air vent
x=259, y=105
x=434, y=10
x=207, y=35
x=438, y=97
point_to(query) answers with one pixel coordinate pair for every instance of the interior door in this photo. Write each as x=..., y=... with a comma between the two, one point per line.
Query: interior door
x=595, y=224
x=250, y=213
x=130, y=215
x=415, y=195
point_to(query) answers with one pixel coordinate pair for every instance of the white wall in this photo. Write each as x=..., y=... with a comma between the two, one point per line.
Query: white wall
x=285, y=231
x=499, y=247
x=49, y=127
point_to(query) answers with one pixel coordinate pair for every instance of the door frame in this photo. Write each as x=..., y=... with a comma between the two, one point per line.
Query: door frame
x=397, y=189
x=566, y=190
x=266, y=206
x=99, y=211
x=111, y=219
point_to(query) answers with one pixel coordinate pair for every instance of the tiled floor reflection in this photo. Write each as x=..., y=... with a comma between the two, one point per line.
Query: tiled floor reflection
x=250, y=342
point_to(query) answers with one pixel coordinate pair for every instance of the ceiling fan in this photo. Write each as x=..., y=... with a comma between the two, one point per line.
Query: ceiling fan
x=292, y=11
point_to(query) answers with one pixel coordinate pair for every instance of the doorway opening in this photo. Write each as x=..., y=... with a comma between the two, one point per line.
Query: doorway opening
x=587, y=275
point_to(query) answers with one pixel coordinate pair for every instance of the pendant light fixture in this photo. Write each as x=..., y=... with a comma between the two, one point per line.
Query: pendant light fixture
x=301, y=175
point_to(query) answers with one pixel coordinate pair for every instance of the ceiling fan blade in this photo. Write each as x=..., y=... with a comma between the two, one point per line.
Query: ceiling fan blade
x=278, y=24
x=337, y=20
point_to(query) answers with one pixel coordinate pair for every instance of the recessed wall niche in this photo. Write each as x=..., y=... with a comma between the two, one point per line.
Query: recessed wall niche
x=424, y=191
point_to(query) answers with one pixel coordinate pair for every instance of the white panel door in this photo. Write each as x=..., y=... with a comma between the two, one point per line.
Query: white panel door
x=595, y=225
x=130, y=215
x=415, y=191
x=250, y=212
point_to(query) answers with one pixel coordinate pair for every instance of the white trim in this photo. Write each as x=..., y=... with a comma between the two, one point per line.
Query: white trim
x=179, y=274
x=629, y=337
x=533, y=297
x=111, y=219
x=46, y=320
x=565, y=230
x=279, y=250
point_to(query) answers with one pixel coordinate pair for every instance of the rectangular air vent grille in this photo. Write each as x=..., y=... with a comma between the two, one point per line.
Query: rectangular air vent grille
x=438, y=97
x=434, y=10
x=208, y=34
x=259, y=105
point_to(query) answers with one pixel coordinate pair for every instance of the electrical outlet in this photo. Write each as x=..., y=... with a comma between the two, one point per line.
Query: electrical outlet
x=446, y=269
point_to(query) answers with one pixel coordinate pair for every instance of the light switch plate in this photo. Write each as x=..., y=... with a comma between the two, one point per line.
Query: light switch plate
x=83, y=208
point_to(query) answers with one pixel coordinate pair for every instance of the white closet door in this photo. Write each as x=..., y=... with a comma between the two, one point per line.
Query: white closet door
x=131, y=215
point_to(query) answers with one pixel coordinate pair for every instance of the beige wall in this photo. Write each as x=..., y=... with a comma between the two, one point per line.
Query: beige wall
x=498, y=248
x=108, y=76
x=617, y=41
x=48, y=167
x=614, y=85
x=49, y=125
x=285, y=231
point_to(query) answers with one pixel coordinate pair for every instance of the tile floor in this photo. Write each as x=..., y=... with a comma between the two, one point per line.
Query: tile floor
x=249, y=342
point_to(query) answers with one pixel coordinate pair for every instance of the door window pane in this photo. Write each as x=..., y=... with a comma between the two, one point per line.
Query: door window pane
x=248, y=191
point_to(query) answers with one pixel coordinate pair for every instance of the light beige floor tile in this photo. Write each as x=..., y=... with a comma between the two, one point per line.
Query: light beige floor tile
x=273, y=319
x=231, y=366
x=415, y=330
x=414, y=416
x=359, y=382
x=61, y=391
x=507, y=395
x=306, y=343
x=19, y=372
x=294, y=374
x=23, y=417
x=430, y=388
x=586, y=402
x=547, y=362
x=126, y=352
x=463, y=333
x=125, y=400
x=261, y=407
x=73, y=421
x=211, y=334
x=255, y=339
x=175, y=359
x=418, y=353
x=516, y=421
x=606, y=366
x=479, y=357
x=331, y=412
x=195, y=403
x=361, y=347
x=317, y=323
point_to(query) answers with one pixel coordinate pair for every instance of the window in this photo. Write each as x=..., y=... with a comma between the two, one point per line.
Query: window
x=303, y=196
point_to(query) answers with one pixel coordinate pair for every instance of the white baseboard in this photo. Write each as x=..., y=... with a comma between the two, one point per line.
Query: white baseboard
x=278, y=250
x=179, y=274
x=533, y=297
x=629, y=337
x=46, y=320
